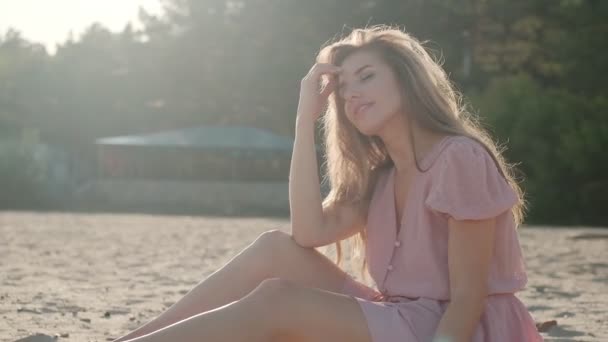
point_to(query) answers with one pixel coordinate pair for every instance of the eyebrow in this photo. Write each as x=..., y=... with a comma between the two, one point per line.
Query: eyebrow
x=341, y=84
x=361, y=68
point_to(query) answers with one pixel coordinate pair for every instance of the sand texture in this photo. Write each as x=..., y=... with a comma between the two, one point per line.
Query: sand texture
x=93, y=277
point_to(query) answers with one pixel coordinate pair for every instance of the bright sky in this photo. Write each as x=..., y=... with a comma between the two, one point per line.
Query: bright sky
x=50, y=21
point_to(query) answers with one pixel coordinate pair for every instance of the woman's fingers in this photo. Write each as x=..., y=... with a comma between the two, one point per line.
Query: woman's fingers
x=329, y=86
x=313, y=92
x=325, y=68
x=319, y=69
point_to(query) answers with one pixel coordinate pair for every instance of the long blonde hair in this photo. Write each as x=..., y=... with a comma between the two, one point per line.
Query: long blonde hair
x=354, y=160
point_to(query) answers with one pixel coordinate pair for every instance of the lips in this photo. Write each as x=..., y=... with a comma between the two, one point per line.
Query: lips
x=362, y=107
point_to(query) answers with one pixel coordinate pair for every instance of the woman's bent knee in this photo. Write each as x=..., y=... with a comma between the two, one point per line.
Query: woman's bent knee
x=273, y=242
x=273, y=237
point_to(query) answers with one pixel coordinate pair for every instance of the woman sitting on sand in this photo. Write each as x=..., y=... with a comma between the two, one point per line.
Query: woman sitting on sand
x=424, y=188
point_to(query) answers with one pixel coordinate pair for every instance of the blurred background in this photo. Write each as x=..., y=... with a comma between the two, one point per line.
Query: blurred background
x=189, y=106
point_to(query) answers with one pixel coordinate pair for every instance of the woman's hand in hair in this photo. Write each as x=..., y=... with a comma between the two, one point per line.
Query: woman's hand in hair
x=315, y=88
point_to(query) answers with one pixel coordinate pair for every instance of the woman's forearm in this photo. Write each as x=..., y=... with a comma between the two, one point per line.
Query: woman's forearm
x=304, y=187
x=460, y=320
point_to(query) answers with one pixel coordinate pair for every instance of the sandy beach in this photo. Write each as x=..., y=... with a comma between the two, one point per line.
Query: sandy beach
x=93, y=277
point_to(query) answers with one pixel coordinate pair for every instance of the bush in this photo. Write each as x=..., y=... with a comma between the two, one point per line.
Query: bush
x=560, y=138
x=21, y=177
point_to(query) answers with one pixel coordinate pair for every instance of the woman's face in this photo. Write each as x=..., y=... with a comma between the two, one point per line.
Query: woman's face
x=370, y=92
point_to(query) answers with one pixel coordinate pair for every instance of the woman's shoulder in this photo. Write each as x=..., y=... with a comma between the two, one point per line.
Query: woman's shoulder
x=466, y=182
x=461, y=150
x=460, y=144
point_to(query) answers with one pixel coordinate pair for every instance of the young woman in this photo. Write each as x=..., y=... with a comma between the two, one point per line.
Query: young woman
x=415, y=180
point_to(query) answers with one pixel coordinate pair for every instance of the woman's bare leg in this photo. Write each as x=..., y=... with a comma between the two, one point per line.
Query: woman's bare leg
x=274, y=254
x=276, y=310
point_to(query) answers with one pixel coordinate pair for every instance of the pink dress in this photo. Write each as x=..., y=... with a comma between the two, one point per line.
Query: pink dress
x=464, y=183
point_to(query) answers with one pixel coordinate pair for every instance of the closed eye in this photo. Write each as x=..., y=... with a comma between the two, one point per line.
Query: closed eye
x=367, y=77
x=342, y=85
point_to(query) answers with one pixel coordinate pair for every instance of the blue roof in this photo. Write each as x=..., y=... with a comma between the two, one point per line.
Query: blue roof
x=230, y=137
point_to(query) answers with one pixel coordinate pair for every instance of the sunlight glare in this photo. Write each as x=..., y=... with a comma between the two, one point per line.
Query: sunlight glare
x=50, y=22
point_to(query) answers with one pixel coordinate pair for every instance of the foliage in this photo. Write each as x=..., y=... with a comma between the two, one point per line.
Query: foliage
x=21, y=177
x=532, y=68
x=559, y=139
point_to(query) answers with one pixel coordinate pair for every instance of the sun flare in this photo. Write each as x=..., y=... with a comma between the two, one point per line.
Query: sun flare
x=50, y=22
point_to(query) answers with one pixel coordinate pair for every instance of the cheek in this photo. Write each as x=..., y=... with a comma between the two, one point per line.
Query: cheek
x=389, y=102
x=393, y=102
x=386, y=93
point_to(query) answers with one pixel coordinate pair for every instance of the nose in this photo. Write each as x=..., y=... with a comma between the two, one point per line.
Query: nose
x=350, y=93
x=351, y=98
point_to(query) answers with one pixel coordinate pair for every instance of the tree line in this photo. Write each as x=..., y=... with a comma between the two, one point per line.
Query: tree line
x=532, y=69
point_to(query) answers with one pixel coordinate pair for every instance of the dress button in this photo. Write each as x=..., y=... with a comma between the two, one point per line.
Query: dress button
x=390, y=267
x=397, y=243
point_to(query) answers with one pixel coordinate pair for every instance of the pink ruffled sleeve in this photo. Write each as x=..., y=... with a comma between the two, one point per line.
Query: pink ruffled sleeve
x=467, y=184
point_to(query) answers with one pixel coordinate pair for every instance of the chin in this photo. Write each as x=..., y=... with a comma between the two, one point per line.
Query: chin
x=369, y=130
x=372, y=127
x=371, y=123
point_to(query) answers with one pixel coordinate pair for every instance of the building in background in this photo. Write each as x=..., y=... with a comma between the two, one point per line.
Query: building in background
x=204, y=153
x=221, y=169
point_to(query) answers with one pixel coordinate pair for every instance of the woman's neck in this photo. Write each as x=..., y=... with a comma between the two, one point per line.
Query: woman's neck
x=399, y=147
